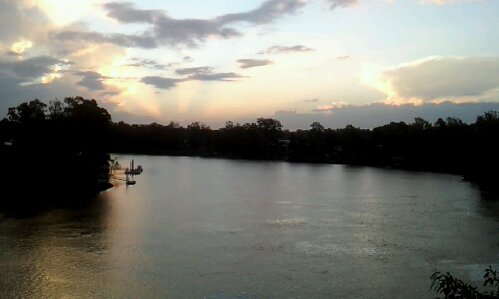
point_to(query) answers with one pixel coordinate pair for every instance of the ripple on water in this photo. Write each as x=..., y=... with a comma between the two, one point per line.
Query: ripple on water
x=286, y=222
x=331, y=249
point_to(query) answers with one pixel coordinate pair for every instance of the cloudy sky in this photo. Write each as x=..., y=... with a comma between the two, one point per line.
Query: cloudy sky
x=218, y=60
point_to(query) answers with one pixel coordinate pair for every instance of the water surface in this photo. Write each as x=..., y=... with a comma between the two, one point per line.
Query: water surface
x=209, y=228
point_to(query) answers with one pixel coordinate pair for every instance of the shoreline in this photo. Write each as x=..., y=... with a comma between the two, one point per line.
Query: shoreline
x=484, y=184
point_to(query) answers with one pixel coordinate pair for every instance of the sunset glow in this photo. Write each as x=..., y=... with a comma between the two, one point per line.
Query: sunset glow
x=170, y=61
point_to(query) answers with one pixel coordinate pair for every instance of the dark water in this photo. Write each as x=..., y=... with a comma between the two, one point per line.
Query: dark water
x=197, y=228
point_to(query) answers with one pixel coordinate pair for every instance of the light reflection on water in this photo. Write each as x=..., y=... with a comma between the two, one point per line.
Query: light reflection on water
x=198, y=228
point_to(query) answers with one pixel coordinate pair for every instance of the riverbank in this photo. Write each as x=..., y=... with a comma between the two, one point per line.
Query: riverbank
x=486, y=181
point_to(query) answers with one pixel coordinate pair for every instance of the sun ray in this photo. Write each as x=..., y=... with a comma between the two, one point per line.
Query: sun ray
x=63, y=12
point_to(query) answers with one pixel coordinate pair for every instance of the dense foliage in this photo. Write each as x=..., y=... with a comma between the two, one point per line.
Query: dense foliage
x=49, y=150
x=454, y=288
x=446, y=145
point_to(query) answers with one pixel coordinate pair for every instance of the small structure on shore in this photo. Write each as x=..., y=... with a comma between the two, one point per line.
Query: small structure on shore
x=132, y=170
x=129, y=172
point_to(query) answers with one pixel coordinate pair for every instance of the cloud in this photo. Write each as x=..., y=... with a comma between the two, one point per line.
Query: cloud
x=286, y=49
x=30, y=69
x=440, y=78
x=333, y=4
x=124, y=40
x=151, y=64
x=109, y=93
x=166, y=30
x=266, y=13
x=19, y=48
x=345, y=57
x=91, y=80
x=331, y=107
x=46, y=77
x=160, y=82
x=20, y=18
x=13, y=91
x=126, y=13
x=250, y=63
x=311, y=101
x=194, y=70
x=195, y=74
x=226, y=77
x=34, y=65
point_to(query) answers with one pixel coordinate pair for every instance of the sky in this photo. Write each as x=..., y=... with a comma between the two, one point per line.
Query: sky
x=364, y=62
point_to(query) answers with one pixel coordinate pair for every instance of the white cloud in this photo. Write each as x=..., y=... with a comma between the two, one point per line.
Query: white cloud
x=439, y=78
x=22, y=45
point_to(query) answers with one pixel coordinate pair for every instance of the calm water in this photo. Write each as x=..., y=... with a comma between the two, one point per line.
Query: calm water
x=200, y=228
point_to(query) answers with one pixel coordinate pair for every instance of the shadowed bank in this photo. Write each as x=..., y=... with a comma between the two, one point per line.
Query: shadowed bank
x=53, y=154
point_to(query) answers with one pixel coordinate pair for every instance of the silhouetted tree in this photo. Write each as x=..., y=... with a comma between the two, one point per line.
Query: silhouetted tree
x=269, y=132
x=56, y=150
x=27, y=113
x=454, y=288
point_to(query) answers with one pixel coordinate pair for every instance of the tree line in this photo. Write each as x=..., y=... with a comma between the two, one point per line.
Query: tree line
x=64, y=146
x=447, y=145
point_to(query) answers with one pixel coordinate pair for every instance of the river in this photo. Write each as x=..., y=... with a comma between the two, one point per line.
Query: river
x=213, y=228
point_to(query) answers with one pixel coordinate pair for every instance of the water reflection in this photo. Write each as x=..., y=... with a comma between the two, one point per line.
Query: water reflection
x=197, y=228
x=57, y=252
